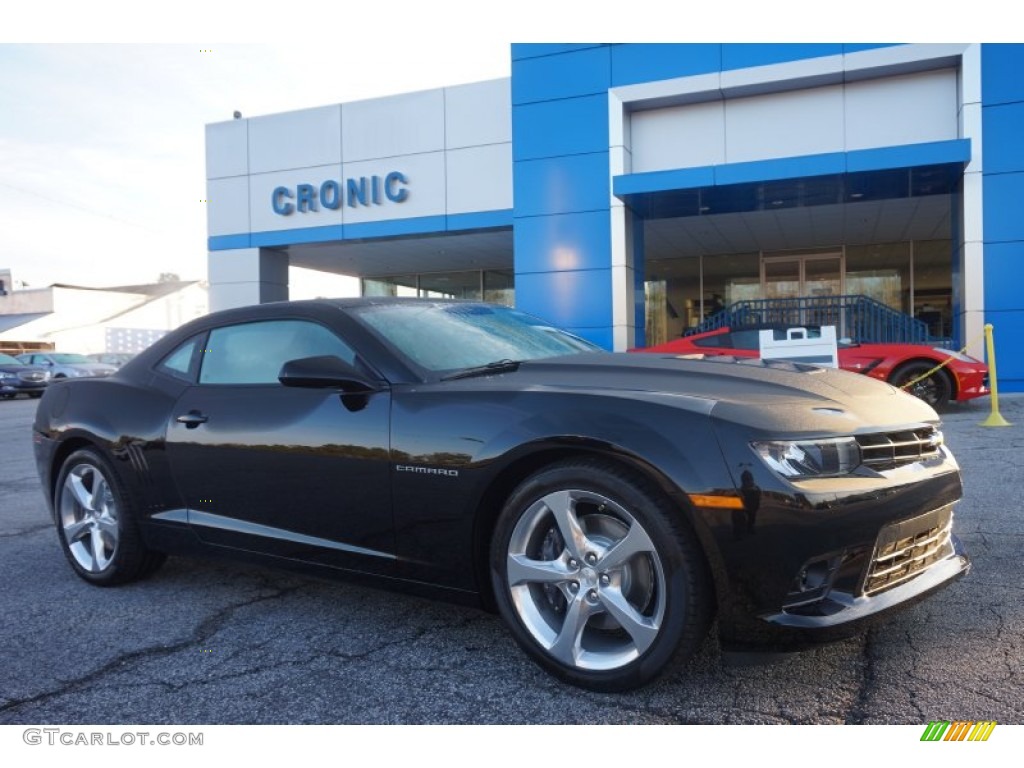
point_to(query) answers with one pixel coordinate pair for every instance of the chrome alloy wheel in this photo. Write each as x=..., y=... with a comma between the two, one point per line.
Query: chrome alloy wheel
x=88, y=516
x=586, y=580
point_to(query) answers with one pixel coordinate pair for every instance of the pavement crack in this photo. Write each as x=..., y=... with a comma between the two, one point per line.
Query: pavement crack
x=27, y=531
x=207, y=628
x=860, y=708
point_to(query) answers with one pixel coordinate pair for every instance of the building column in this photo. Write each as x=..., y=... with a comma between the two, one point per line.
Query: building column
x=243, y=276
x=968, y=237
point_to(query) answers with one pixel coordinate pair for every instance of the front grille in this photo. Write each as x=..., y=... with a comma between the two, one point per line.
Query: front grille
x=32, y=376
x=889, y=450
x=905, y=549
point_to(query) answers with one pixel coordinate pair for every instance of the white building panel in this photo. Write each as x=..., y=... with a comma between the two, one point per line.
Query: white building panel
x=227, y=206
x=227, y=149
x=478, y=113
x=261, y=192
x=909, y=109
x=302, y=139
x=425, y=184
x=392, y=126
x=678, y=137
x=784, y=124
x=479, y=178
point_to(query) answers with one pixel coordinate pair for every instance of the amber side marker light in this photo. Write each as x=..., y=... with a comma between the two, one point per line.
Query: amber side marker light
x=716, y=502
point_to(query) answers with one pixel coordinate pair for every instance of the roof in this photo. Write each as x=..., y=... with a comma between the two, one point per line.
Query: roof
x=149, y=289
x=7, y=322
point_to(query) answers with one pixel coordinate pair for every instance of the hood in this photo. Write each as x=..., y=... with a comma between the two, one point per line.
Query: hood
x=775, y=395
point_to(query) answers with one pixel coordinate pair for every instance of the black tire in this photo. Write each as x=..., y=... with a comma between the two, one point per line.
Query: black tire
x=7, y=397
x=35, y=395
x=96, y=523
x=935, y=390
x=632, y=620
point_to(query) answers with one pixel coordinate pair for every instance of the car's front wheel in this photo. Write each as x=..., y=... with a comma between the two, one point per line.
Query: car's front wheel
x=95, y=522
x=935, y=388
x=599, y=580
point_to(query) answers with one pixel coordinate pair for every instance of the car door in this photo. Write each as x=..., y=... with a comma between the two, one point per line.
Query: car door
x=300, y=473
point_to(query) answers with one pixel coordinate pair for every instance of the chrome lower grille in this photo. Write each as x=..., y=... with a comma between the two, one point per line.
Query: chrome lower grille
x=32, y=376
x=889, y=450
x=905, y=549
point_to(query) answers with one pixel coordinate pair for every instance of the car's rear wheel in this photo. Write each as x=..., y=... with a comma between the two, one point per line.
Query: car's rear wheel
x=600, y=582
x=96, y=523
x=934, y=389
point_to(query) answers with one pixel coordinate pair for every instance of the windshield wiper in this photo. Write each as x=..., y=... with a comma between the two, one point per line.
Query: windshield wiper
x=498, y=366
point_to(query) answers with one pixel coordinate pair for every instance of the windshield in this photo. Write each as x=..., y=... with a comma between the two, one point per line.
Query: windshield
x=68, y=357
x=8, y=360
x=446, y=337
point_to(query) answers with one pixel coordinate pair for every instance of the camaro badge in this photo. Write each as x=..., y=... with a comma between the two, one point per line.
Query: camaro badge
x=426, y=470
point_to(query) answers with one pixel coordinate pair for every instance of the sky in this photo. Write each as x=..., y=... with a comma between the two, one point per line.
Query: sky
x=103, y=107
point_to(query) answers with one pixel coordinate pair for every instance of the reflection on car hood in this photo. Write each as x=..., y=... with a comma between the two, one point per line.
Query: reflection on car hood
x=767, y=394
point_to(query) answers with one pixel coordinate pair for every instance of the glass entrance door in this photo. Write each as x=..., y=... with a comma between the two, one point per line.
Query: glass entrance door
x=806, y=283
x=791, y=277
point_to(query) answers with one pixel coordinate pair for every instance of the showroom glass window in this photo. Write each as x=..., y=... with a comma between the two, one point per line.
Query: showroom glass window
x=253, y=353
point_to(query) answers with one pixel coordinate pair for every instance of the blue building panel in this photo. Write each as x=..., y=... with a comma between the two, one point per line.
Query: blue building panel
x=741, y=55
x=566, y=241
x=855, y=47
x=580, y=299
x=533, y=50
x=577, y=73
x=462, y=222
x=1003, y=129
x=1004, y=266
x=646, y=62
x=561, y=185
x=564, y=127
x=1003, y=194
x=1001, y=66
x=664, y=181
x=1008, y=330
x=782, y=168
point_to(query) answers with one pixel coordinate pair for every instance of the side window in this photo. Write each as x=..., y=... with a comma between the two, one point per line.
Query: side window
x=179, y=362
x=253, y=353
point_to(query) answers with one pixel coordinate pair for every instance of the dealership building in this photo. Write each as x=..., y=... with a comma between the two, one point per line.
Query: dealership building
x=629, y=192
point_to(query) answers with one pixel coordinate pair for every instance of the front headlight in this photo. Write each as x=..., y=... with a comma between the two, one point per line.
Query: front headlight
x=79, y=372
x=828, y=457
x=6, y=375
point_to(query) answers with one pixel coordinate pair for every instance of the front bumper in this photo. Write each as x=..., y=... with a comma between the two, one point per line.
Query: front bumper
x=18, y=386
x=810, y=562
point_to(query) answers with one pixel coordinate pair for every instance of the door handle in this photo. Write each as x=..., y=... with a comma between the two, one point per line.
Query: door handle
x=192, y=419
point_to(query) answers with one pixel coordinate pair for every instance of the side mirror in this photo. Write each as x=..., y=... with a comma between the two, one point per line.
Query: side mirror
x=326, y=372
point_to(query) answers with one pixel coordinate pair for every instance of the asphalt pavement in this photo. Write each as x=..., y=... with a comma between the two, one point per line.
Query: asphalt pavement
x=206, y=642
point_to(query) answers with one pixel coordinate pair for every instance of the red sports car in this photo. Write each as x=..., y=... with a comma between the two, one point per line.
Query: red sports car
x=963, y=378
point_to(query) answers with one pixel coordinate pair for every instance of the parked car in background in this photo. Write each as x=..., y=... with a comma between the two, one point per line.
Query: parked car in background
x=17, y=378
x=67, y=365
x=608, y=506
x=116, y=359
x=963, y=378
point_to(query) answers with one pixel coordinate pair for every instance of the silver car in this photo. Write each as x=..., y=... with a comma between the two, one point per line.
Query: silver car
x=67, y=365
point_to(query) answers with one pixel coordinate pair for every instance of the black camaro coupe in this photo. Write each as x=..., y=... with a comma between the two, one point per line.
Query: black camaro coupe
x=609, y=506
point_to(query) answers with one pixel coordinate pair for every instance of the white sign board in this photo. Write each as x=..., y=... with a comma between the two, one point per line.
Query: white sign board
x=816, y=346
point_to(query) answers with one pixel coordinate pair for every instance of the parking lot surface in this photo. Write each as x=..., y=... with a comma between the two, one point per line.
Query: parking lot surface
x=215, y=643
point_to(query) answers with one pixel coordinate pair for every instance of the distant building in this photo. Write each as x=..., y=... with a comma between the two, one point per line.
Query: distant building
x=629, y=191
x=75, y=318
